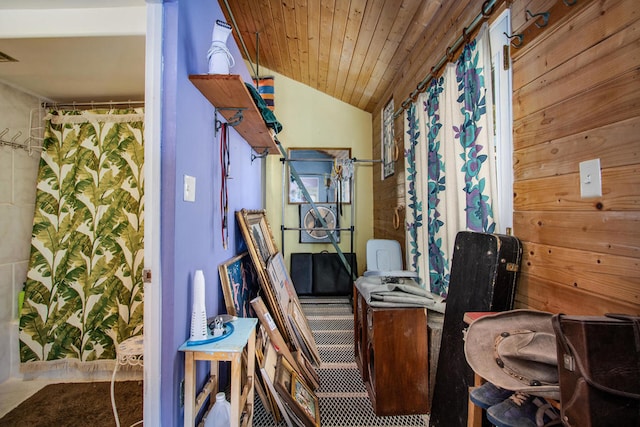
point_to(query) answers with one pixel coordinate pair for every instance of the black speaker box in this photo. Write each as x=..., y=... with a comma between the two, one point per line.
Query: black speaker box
x=330, y=277
x=301, y=273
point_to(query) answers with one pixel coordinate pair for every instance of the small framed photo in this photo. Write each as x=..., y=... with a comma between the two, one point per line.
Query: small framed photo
x=258, y=236
x=312, y=185
x=389, y=145
x=296, y=394
x=326, y=173
x=305, y=399
x=240, y=285
x=281, y=281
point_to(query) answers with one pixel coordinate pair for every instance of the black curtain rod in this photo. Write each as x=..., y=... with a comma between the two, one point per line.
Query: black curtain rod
x=485, y=12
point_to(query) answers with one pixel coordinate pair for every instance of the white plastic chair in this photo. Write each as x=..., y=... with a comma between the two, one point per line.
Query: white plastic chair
x=384, y=258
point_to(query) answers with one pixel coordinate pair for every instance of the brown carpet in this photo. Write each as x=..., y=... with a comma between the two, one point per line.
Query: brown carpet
x=78, y=404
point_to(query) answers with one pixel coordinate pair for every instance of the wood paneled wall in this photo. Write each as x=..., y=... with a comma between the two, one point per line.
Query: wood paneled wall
x=441, y=31
x=576, y=97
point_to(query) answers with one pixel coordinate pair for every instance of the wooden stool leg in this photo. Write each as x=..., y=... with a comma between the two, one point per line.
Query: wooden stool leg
x=474, y=413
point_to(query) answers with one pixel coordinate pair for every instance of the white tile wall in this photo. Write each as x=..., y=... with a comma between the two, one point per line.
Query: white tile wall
x=18, y=173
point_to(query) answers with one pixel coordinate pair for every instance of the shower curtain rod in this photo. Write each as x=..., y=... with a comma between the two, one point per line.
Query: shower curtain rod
x=485, y=12
x=89, y=104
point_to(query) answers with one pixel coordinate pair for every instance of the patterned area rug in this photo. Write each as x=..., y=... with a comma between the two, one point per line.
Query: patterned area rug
x=342, y=394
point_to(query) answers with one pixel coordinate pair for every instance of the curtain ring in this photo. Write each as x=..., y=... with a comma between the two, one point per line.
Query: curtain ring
x=486, y=10
x=422, y=86
x=465, y=35
x=449, y=54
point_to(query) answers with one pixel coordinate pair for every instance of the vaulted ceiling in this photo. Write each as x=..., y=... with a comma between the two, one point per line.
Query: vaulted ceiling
x=348, y=49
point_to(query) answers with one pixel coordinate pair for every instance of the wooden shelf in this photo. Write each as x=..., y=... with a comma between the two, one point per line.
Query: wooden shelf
x=228, y=93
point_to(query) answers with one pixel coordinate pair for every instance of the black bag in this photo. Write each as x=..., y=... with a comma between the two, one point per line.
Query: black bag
x=599, y=370
x=322, y=274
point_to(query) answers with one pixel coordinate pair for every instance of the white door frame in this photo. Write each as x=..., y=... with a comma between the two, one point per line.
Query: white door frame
x=504, y=119
x=152, y=179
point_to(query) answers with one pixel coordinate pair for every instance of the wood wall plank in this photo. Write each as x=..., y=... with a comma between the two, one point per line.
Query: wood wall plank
x=562, y=193
x=378, y=40
x=545, y=295
x=593, y=24
x=600, y=274
x=613, y=233
x=416, y=28
x=613, y=57
x=354, y=21
x=338, y=32
x=379, y=61
x=367, y=32
x=616, y=100
x=274, y=18
x=313, y=32
x=302, y=26
x=615, y=145
x=324, y=50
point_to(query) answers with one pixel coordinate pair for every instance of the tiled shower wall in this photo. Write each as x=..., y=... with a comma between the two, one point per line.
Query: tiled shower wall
x=18, y=171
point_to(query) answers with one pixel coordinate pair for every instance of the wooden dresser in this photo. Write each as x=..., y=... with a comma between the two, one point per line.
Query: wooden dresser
x=391, y=352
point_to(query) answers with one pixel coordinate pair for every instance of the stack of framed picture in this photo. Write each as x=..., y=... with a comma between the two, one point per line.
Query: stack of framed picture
x=248, y=281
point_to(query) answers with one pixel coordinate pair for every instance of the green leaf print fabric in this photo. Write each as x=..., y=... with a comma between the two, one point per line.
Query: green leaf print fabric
x=84, y=290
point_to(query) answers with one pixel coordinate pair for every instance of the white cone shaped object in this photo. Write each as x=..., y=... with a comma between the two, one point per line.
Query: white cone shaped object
x=220, y=60
x=199, y=313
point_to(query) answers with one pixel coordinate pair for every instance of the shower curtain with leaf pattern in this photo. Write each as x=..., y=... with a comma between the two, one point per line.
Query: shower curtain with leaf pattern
x=450, y=163
x=84, y=290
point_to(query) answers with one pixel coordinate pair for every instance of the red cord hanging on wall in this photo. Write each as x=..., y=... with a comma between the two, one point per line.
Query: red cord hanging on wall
x=224, y=189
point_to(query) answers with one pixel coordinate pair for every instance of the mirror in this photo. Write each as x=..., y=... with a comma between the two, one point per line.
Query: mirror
x=325, y=173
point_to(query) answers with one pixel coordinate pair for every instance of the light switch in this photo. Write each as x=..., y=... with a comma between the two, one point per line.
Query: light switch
x=590, y=179
x=189, y=188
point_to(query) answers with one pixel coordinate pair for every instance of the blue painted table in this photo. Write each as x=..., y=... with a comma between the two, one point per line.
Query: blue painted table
x=229, y=349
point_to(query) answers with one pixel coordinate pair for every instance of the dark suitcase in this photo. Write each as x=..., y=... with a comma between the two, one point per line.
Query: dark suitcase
x=484, y=271
x=330, y=277
x=302, y=273
x=599, y=369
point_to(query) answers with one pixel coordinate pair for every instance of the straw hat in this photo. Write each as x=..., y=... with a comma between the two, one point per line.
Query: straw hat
x=515, y=350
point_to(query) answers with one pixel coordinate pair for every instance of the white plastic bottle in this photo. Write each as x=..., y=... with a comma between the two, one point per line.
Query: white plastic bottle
x=220, y=414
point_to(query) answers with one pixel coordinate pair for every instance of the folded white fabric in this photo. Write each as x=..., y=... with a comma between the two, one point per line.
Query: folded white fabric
x=388, y=291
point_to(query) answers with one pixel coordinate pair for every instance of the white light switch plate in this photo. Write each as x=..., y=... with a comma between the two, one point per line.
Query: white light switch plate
x=590, y=179
x=189, y=188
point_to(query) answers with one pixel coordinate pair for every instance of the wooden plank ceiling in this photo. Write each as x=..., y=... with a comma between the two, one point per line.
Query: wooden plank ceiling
x=348, y=49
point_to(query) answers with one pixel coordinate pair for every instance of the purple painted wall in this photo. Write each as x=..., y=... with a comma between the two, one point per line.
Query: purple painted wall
x=191, y=235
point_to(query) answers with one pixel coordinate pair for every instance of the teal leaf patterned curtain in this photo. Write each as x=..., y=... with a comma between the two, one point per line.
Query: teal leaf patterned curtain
x=450, y=163
x=84, y=290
